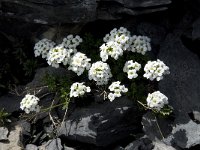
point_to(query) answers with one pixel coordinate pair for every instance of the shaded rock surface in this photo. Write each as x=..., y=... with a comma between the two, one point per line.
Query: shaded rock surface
x=54, y=144
x=14, y=138
x=141, y=144
x=31, y=147
x=10, y=99
x=102, y=124
x=3, y=133
x=182, y=87
x=76, y=11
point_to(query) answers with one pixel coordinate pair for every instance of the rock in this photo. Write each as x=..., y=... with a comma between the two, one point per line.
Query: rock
x=40, y=74
x=31, y=147
x=3, y=133
x=141, y=144
x=10, y=99
x=158, y=145
x=52, y=11
x=157, y=33
x=182, y=88
x=156, y=127
x=196, y=115
x=102, y=124
x=185, y=135
x=76, y=11
x=196, y=30
x=14, y=138
x=26, y=127
x=145, y=3
x=68, y=148
x=54, y=144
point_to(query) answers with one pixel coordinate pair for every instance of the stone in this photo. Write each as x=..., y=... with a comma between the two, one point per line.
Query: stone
x=102, y=124
x=68, y=148
x=14, y=138
x=31, y=147
x=3, y=133
x=7, y=99
x=185, y=135
x=140, y=144
x=54, y=144
x=182, y=88
x=196, y=115
x=157, y=33
x=196, y=30
x=40, y=74
x=158, y=145
x=26, y=127
x=76, y=11
x=156, y=127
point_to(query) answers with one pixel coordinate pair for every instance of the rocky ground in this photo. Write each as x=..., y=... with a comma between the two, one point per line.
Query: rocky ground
x=173, y=26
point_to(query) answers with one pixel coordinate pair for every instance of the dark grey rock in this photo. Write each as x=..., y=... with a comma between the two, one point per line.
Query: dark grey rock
x=196, y=30
x=141, y=144
x=119, y=148
x=40, y=74
x=158, y=145
x=3, y=133
x=145, y=3
x=31, y=147
x=76, y=11
x=196, y=115
x=102, y=124
x=68, y=148
x=156, y=127
x=157, y=33
x=8, y=99
x=26, y=127
x=182, y=88
x=54, y=144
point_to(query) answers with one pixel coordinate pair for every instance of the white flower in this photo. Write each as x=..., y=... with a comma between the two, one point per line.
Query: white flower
x=42, y=47
x=78, y=63
x=100, y=72
x=78, y=89
x=140, y=44
x=155, y=70
x=58, y=55
x=112, y=49
x=156, y=100
x=71, y=42
x=30, y=103
x=131, y=69
x=116, y=90
x=116, y=42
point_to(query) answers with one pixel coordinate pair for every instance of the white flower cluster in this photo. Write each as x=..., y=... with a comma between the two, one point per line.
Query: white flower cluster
x=100, y=72
x=155, y=70
x=131, y=68
x=71, y=42
x=78, y=89
x=156, y=100
x=30, y=103
x=78, y=63
x=116, y=90
x=42, y=47
x=110, y=48
x=116, y=42
x=58, y=55
x=140, y=44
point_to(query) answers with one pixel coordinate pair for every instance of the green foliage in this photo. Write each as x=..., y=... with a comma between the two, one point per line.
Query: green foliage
x=90, y=46
x=165, y=111
x=61, y=86
x=3, y=116
x=28, y=65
